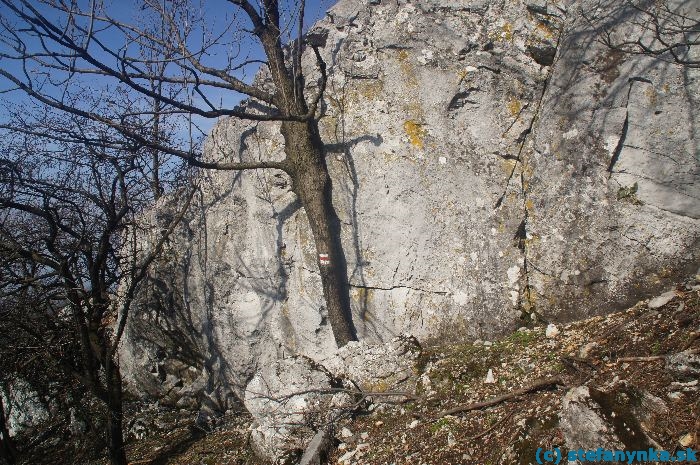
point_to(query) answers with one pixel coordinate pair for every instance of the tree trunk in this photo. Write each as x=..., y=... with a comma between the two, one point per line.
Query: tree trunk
x=312, y=184
x=7, y=449
x=115, y=438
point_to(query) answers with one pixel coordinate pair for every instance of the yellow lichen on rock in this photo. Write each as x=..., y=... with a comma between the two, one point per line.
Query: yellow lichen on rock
x=507, y=165
x=514, y=106
x=651, y=95
x=407, y=69
x=371, y=90
x=415, y=132
x=463, y=74
x=507, y=33
x=544, y=30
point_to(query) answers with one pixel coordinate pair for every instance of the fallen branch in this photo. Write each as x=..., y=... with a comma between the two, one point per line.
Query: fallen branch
x=364, y=394
x=653, y=358
x=320, y=444
x=650, y=358
x=406, y=395
x=536, y=386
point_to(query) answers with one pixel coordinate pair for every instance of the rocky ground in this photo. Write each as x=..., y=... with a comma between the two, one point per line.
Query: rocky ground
x=627, y=380
x=626, y=356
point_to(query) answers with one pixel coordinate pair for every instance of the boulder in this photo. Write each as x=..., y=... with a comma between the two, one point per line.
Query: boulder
x=684, y=365
x=295, y=401
x=290, y=400
x=661, y=300
x=377, y=367
x=617, y=419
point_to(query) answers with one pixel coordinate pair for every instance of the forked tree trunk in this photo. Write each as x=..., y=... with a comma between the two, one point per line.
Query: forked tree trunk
x=312, y=184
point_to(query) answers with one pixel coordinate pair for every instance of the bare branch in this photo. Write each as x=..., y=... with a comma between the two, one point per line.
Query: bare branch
x=140, y=272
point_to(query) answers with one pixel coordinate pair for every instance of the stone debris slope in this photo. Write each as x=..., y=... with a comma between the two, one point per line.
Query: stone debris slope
x=627, y=380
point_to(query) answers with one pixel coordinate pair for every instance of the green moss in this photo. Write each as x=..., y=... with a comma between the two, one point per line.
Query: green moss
x=522, y=338
x=440, y=424
x=629, y=194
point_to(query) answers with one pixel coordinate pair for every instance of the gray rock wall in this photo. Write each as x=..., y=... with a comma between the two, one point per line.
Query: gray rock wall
x=492, y=163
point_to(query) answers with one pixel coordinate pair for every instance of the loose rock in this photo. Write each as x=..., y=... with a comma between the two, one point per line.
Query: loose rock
x=663, y=299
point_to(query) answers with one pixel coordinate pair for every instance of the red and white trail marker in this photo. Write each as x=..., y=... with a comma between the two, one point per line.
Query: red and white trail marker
x=323, y=259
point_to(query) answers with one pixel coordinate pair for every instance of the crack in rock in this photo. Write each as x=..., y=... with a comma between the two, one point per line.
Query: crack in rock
x=417, y=289
x=625, y=125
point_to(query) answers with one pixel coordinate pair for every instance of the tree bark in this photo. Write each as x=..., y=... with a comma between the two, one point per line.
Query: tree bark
x=115, y=415
x=7, y=450
x=312, y=184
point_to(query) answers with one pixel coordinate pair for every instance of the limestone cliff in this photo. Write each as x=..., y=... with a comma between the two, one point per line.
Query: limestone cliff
x=492, y=162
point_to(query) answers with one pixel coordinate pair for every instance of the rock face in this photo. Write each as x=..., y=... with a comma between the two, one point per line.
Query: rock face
x=492, y=162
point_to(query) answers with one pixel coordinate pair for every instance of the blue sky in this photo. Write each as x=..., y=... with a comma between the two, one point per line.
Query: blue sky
x=218, y=15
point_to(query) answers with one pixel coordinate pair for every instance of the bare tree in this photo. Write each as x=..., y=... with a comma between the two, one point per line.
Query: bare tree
x=30, y=344
x=51, y=45
x=71, y=195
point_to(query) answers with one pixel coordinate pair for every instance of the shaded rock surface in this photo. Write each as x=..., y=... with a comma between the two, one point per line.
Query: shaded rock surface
x=587, y=420
x=24, y=408
x=493, y=164
x=290, y=400
x=295, y=401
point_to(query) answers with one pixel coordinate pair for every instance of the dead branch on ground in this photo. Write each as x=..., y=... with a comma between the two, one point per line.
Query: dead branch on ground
x=536, y=386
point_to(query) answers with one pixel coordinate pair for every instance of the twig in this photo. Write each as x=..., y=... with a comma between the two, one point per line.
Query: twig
x=30, y=360
x=536, y=386
x=499, y=422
